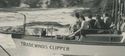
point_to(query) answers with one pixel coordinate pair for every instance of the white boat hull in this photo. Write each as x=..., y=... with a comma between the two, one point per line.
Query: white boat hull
x=42, y=48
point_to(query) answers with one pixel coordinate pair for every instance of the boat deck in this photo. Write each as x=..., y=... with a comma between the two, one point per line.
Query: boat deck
x=87, y=41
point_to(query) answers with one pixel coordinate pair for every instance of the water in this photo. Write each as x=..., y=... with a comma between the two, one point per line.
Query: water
x=64, y=17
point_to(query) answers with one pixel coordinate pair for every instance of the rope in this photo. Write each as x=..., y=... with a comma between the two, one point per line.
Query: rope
x=5, y=50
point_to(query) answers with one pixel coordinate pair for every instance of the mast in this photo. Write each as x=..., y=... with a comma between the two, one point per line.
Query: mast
x=120, y=14
x=104, y=7
x=119, y=11
x=116, y=13
x=117, y=8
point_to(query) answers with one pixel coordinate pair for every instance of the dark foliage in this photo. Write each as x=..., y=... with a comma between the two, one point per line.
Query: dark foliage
x=10, y=3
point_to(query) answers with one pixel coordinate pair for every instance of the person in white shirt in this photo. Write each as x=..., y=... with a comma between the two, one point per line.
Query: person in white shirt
x=82, y=27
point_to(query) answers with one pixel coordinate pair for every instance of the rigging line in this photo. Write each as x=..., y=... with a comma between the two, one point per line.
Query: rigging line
x=5, y=50
x=105, y=3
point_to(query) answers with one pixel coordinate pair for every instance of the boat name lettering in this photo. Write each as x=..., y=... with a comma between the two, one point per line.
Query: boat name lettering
x=52, y=47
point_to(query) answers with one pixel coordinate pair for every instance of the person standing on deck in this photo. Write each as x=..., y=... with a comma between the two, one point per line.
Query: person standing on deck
x=74, y=27
x=82, y=27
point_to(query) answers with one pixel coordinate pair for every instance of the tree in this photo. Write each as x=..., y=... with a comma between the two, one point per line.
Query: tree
x=9, y=3
x=56, y=4
x=32, y=3
x=3, y=3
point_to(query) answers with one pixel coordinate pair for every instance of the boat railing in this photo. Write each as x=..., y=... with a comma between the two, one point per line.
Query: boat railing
x=107, y=34
x=101, y=31
x=90, y=33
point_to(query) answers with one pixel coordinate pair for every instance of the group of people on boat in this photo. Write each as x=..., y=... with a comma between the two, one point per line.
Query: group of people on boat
x=91, y=26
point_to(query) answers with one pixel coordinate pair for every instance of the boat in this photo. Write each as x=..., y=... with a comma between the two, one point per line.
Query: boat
x=111, y=44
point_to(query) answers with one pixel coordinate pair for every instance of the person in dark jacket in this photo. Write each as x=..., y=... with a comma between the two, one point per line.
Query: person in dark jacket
x=91, y=22
x=99, y=23
x=107, y=21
